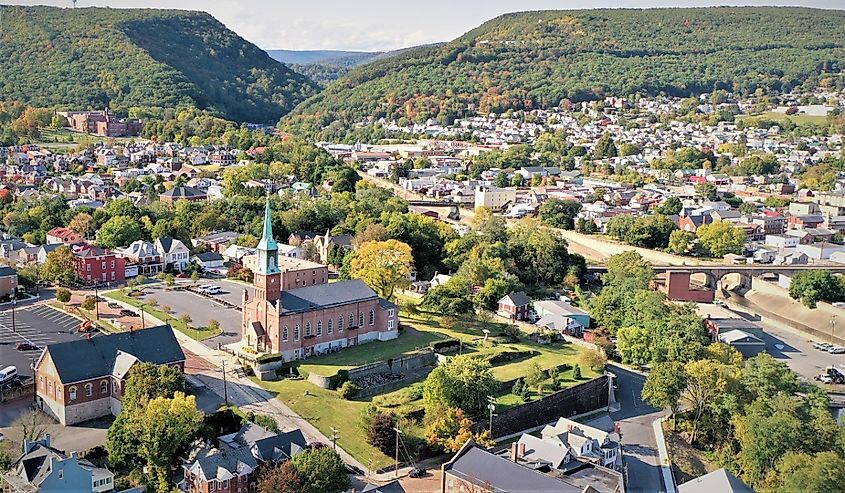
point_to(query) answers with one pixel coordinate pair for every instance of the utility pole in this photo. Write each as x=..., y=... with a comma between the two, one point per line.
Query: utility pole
x=491, y=405
x=396, y=468
x=143, y=323
x=832, y=327
x=225, y=387
x=96, y=302
x=14, y=304
x=335, y=436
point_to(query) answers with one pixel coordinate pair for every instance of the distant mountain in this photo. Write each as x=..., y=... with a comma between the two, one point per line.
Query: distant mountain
x=98, y=57
x=319, y=56
x=537, y=59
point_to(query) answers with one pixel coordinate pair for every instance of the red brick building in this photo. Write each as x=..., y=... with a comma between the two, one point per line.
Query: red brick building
x=63, y=236
x=96, y=265
x=515, y=306
x=310, y=320
x=102, y=123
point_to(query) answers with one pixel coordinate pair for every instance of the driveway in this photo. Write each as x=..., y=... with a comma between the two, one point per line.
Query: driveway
x=639, y=445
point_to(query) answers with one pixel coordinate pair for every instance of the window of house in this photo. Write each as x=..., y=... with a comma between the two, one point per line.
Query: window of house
x=112, y=264
x=103, y=265
x=89, y=389
x=390, y=313
x=72, y=392
x=361, y=319
x=104, y=387
x=330, y=327
x=340, y=323
x=296, y=333
x=351, y=320
x=114, y=387
x=319, y=327
x=61, y=474
x=49, y=387
x=390, y=325
x=41, y=382
x=88, y=267
x=307, y=329
x=372, y=317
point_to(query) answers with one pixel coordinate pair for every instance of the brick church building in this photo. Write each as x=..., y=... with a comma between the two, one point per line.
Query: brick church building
x=309, y=320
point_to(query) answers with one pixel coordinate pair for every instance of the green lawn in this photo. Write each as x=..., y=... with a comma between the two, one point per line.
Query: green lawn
x=324, y=409
x=181, y=326
x=410, y=340
x=797, y=119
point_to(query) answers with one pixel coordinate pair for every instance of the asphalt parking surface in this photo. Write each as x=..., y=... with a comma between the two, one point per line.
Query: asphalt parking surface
x=202, y=309
x=36, y=324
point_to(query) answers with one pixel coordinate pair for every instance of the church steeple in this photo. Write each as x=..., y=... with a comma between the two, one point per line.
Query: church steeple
x=268, y=250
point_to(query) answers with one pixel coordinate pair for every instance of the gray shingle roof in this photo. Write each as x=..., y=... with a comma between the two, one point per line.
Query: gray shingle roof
x=326, y=295
x=518, y=298
x=719, y=480
x=86, y=359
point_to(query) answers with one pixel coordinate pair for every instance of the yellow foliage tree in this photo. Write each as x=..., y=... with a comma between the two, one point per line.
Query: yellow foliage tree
x=383, y=265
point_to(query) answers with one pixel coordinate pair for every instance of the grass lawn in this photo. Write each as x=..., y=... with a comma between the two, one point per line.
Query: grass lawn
x=181, y=326
x=329, y=364
x=798, y=119
x=324, y=409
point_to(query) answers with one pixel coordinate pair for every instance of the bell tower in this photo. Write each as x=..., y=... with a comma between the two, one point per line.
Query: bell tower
x=268, y=278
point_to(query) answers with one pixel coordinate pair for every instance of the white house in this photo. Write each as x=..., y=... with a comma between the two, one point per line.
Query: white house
x=174, y=253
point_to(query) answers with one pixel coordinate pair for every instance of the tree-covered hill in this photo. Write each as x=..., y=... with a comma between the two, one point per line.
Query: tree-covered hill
x=536, y=59
x=97, y=57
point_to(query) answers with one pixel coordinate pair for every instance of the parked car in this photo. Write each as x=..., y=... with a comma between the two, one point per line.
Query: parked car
x=417, y=472
x=26, y=346
x=836, y=350
x=822, y=346
x=127, y=313
x=113, y=306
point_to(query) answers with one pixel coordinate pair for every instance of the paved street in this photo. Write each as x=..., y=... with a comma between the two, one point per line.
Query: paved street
x=639, y=445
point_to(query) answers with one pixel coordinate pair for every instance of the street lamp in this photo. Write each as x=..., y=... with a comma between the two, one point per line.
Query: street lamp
x=491, y=406
x=396, y=467
x=832, y=327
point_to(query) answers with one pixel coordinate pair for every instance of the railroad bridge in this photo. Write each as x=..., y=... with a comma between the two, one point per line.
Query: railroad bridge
x=678, y=280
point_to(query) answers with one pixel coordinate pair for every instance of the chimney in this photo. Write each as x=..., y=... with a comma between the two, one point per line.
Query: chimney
x=522, y=450
x=514, y=455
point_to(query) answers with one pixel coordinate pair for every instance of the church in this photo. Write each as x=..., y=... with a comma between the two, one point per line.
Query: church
x=310, y=320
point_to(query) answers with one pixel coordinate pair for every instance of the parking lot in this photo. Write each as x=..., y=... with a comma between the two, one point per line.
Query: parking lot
x=202, y=309
x=38, y=325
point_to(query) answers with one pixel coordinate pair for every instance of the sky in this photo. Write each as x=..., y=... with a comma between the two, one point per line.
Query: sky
x=379, y=25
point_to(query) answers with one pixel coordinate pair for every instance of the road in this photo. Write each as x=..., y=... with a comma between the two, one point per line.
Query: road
x=639, y=445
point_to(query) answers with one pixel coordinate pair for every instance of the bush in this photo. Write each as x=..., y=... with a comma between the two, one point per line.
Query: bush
x=89, y=304
x=63, y=295
x=338, y=379
x=508, y=356
x=270, y=358
x=576, y=372
x=348, y=390
x=381, y=434
x=446, y=346
x=266, y=421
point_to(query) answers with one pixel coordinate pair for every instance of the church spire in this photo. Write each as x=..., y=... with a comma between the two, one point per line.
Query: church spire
x=267, y=248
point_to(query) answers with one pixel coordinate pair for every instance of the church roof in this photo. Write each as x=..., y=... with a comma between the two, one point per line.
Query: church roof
x=320, y=296
x=267, y=242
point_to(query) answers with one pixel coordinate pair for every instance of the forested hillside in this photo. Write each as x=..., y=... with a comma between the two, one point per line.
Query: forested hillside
x=98, y=57
x=536, y=59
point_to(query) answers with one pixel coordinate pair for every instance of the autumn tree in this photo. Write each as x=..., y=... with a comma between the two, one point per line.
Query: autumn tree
x=282, y=478
x=721, y=238
x=83, y=223
x=450, y=429
x=383, y=265
x=381, y=434
x=60, y=266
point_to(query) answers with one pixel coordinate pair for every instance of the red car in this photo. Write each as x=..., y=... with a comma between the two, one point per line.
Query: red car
x=25, y=346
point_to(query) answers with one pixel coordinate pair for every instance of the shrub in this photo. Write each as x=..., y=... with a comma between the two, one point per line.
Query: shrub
x=89, y=304
x=266, y=421
x=339, y=379
x=270, y=358
x=381, y=434
x=63, y=295
x=446, y=345
x=348, y=390
x=576, y=372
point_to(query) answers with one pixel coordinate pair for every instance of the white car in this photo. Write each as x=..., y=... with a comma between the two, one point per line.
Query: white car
x=836, y=350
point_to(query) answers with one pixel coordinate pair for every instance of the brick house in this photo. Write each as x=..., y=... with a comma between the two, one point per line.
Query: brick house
x=8, y=282
x=81, y=380
x=183, y=193
x=95, y=265
x=64, y=236
x=692, y=223
x=234, y=465
x=310, y=320
x=515, y=306
x=145, y=255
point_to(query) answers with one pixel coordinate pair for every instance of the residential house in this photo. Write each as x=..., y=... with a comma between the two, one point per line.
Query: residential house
x=584, y=443
x=493, y=198
x=237, y=253
x=803, y=221
x=84, y=379
x=43, y=250
x=475, y=469
x=174, y=252
x=720, y=480
x=514, y=306
x=182, y=193
x=8, y=282
x=63, y=236
x=208, y=260
x=692, y=223
x=324, y=244
x=46, y=469
x=217, y=241
x=233, y=466
x=95, y=265
x=145, y=255
x=747, y=344
x=561, y=317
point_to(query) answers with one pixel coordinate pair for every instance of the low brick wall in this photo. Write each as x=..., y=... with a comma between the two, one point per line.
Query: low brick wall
x=412, y=366
x=582, y=398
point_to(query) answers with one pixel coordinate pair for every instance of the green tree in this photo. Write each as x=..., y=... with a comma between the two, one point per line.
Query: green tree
x=534, y=376
x=89, y=304
x=721, y=238
x=462, y=381
x=798, y=471
x=60, y=266
x=119, y=231
x=628, y=269
x=147, y=381
x=517, y=180
x=605, y=147
x=381, y=434
x=812, y=286
x=322, y=471
x=670, y=207
x=560, y=213
x=163, y=427
x=706, y=191
x=764, y=376
x=63, y=295
x=707, y=381
x=634, y=345
x=664, y=386
x=679, y=241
